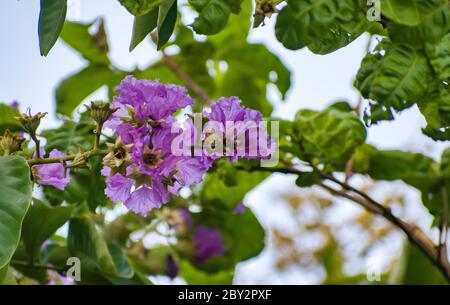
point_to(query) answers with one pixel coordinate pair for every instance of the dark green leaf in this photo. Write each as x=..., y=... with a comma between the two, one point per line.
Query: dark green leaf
x=41, y=221
x=140, y=7
x=51, y=20
x=213, y=16
x=15, y=190
x=142, y=26
x=167, y=17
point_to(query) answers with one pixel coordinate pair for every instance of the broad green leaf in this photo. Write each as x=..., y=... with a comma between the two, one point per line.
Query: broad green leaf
x=420, y=270
x=41, y=221
x=140, y=7
x=439, y=56
x=121, y=261
x=301, y=22
x=167, y=17
x=329, y=137
x=273, y=71
x=193, y=276
x=213, y=16
x=142, y=26
x=71, y=92
x=51, y=20
x=215, y=191
x=436, y=110
x=15, y=190
x=86, y=243
x=404, y=12
x=93, y=48
x=434, y=23
x=395, y=80
x=7, y=119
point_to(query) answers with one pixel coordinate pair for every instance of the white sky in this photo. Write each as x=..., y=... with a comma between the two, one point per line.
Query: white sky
x=317, y=80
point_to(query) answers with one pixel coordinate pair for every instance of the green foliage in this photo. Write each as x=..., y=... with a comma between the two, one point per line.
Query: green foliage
x=7, y=119
x=142, y=26
x=41, y=221
x=15, y=188
x=399, y=79
x=140, y=7
x=167, y=17
x=93, y=48
x=328, y=137
x=51, y=20
x=419, y=270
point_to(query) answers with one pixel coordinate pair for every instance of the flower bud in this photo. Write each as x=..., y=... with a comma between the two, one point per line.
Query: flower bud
x=100, y=111
x=11, y=143
x=31, y=122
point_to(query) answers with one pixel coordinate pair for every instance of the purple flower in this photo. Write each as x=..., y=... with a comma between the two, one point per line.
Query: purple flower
x=145, y=198
x=53, y=174
x=151, y=99
x=15, y=104
x=208, y=242
x=243, y=126
x=239, y=208
x=172, y=267
x=118, y=188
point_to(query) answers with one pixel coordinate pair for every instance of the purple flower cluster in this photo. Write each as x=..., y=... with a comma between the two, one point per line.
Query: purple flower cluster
x=142, y=169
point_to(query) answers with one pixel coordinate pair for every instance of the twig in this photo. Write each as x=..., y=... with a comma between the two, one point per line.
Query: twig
x=95, y=152
x=187, y=80
x=45, y=267
x=414, y=233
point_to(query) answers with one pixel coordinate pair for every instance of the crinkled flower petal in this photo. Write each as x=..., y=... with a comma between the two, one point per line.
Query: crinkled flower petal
x=208, y=242
x=53, y=174
x=118, y=188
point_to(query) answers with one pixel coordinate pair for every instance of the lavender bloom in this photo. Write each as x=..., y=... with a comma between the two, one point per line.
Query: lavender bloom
x=246, y=126
x=172, y=267
x=53, y=174
x=239, y=208
x=118, y=188
x=145, y=199
x=187, y=219
x=15, y=104
x=208, y=242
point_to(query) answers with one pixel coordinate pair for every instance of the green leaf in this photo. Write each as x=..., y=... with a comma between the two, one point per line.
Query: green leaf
x=120, y=261
x=329, y=137
x=7, y=276
x=395, y=80
x=439, y=56
x=194, y=276
x=214, y=190
x=71, y=92
x=404, y=12
x=140, y=7
x=167, y=17
x=434, y=23
x=420, y=270
x=15, y=190
x=301, y=22
x=86, y=243
x=7, y=119
x=142, y=26
x=213, y=16
x=41, y=221
x=51, y=20
x=93, y=48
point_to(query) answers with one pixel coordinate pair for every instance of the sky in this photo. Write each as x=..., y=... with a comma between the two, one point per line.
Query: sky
x=317, y=80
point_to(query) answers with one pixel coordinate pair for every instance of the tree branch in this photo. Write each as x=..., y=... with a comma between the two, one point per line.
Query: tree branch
x=186, y=78
x=413, y=232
